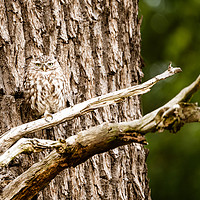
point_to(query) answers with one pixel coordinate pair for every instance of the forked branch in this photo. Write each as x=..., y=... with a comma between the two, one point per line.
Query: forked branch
x=13, y=135
x=78, y=148
x=171, y=116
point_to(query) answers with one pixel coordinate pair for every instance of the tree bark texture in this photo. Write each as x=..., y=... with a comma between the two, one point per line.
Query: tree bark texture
x=97, y=44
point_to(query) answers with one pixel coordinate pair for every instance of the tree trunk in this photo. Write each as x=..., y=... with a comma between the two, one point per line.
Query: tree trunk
x=98, y=46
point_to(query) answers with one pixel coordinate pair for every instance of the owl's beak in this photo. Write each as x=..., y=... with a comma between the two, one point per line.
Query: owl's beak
x=44, y=68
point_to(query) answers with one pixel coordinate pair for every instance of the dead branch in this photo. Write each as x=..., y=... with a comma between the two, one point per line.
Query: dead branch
x=183, y=96
x=78, y=148
x=27, y=145
x=13, y=135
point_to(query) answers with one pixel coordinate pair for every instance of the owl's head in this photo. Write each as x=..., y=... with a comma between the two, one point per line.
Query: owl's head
x=44, y=64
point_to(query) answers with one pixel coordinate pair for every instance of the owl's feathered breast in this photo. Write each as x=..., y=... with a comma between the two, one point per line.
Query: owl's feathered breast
x=46, y=91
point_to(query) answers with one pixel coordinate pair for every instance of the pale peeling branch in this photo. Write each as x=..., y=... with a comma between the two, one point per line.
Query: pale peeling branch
x=27, y=145
x=13, y=135
x=78, y=148
x=170, y=116
x=183, y=96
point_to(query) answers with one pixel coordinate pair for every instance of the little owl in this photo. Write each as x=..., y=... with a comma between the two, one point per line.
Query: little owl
x=45, y=87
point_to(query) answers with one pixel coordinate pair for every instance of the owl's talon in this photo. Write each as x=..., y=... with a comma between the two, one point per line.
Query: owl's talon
x=48, y=116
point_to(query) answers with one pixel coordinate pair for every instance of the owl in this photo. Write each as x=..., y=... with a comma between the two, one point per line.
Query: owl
x=45, y=86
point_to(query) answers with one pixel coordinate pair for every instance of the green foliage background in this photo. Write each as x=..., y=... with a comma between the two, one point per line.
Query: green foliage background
x=171, y=32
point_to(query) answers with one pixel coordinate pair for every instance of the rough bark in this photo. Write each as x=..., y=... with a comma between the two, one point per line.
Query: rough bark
x=98, y=46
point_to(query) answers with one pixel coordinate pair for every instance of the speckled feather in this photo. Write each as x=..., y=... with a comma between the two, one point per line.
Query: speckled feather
x=45, y=90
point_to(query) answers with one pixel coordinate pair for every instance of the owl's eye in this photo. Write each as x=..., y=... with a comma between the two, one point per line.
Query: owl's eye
x=50, y=64
x=38, y=64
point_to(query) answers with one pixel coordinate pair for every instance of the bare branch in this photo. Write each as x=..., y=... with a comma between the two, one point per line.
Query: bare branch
x=26, y=145
x=167, y=118
x=13, y=135
x=78, y=148
x=186, y=94
x=183, y=96
x=85, y=144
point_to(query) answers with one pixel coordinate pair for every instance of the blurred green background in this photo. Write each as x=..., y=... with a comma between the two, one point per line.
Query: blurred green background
x=171, y=32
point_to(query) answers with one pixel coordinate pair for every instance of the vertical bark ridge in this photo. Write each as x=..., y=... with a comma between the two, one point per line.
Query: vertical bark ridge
x=97, y=44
